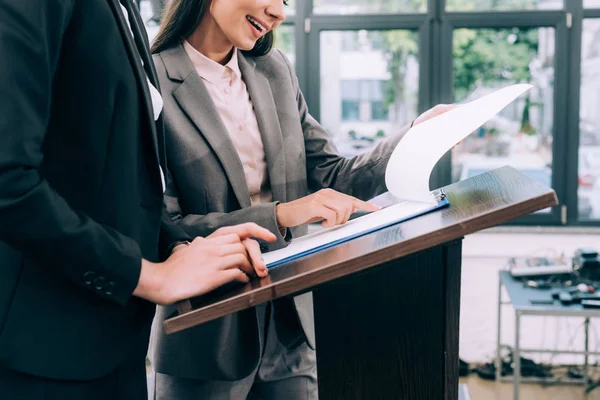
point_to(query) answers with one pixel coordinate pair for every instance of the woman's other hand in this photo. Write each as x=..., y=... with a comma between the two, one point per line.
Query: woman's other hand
x=433, y=112
x=327, y=205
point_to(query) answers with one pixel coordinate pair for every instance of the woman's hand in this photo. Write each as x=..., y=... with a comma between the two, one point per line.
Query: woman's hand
x=327, y=205
x=433, y=112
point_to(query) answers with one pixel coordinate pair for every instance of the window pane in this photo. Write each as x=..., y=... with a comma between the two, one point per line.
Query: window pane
x=589, y=123
x=285, y=41
x=591, y=3
x=521, y=134
x=290, y=9
x=369, y=6
x=350, y=110
x=147, y=14
x=369, y=85
x=505, y=5
x=379, y=111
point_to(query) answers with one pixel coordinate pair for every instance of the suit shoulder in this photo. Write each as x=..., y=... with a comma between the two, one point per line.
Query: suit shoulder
x=274, y=59
x=161, y=70
x=275, y=64
x=158, y=62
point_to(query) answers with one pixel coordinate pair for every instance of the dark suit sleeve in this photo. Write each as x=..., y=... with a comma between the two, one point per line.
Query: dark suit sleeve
x=171, y=234
x=34, y=218
x=362, y=176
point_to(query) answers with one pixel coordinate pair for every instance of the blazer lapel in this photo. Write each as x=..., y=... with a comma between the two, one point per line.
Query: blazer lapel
x=135, y=60
x=193, y=97
x=261, y=95
x=141, y=41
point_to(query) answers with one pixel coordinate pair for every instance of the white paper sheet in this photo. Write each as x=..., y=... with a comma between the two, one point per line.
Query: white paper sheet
x=408, y=171
x=367, y=223
x=411, y=164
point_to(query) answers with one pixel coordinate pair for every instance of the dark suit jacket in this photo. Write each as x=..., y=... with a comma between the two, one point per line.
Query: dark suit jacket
x=208, y=190
x=80, y=187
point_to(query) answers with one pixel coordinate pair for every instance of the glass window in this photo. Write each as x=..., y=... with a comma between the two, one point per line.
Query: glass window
x=379, y=112
x=285, y=41
x=591, y=3
x=503, y=5
x=350, y=110
x=349, y=41
x=368, y=90
x=290, y=9
x=521, y=134
x=369, y=6
x=589, y=124
x=150, y=23
x=350, y=89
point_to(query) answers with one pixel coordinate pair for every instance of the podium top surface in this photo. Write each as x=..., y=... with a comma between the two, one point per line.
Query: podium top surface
x=477, y=203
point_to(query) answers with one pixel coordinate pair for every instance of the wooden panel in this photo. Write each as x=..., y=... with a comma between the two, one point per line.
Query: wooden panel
x=452, y=275
x=477, y=203
x=383, y=333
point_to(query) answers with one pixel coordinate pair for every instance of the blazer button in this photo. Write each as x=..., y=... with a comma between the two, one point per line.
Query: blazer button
x=88, y=277
x=99, y=283
x=110, y=287
x=264, y=248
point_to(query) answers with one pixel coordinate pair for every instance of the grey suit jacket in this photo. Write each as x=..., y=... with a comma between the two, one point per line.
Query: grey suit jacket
x=207, y=190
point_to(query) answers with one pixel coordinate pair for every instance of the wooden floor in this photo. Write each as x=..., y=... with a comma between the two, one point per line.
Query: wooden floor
x=480, y=389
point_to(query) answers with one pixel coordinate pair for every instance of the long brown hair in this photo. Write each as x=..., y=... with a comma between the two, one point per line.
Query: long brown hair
x=182, y=18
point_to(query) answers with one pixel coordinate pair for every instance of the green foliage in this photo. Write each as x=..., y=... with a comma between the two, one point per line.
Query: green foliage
x=480, y=5
x=284, y=39
x=481, y=57
x=486, y=56
x=383, y=6
x=398, y=47
x=492, y=131
x=380, y=133
x=352, y=134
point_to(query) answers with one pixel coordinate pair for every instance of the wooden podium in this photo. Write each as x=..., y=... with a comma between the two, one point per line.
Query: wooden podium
x=387, y=304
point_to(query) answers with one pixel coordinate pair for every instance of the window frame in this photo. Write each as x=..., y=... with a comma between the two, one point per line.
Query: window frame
x=435, y=34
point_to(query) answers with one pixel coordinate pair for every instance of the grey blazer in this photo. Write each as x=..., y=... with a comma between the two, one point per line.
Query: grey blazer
x=207, y=190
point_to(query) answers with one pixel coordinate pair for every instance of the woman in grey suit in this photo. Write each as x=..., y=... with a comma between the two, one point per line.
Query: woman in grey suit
x=243, y=148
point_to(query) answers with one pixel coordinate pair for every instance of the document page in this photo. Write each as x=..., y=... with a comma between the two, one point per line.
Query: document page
x=413, y=160
x=334, y=235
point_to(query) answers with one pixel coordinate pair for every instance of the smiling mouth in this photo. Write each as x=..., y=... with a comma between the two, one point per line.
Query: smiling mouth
x=256, y=24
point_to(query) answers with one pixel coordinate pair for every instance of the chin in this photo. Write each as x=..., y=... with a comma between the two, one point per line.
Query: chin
x=245, y=45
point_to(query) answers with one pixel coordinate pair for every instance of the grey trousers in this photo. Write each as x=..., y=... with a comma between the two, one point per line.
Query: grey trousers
x=282, y=374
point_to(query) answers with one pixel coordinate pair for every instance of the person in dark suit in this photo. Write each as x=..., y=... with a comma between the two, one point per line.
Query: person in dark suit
x=85, y=245
x=269, y=162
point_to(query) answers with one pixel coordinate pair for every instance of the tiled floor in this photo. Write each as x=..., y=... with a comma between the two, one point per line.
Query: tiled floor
x=490, y=390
